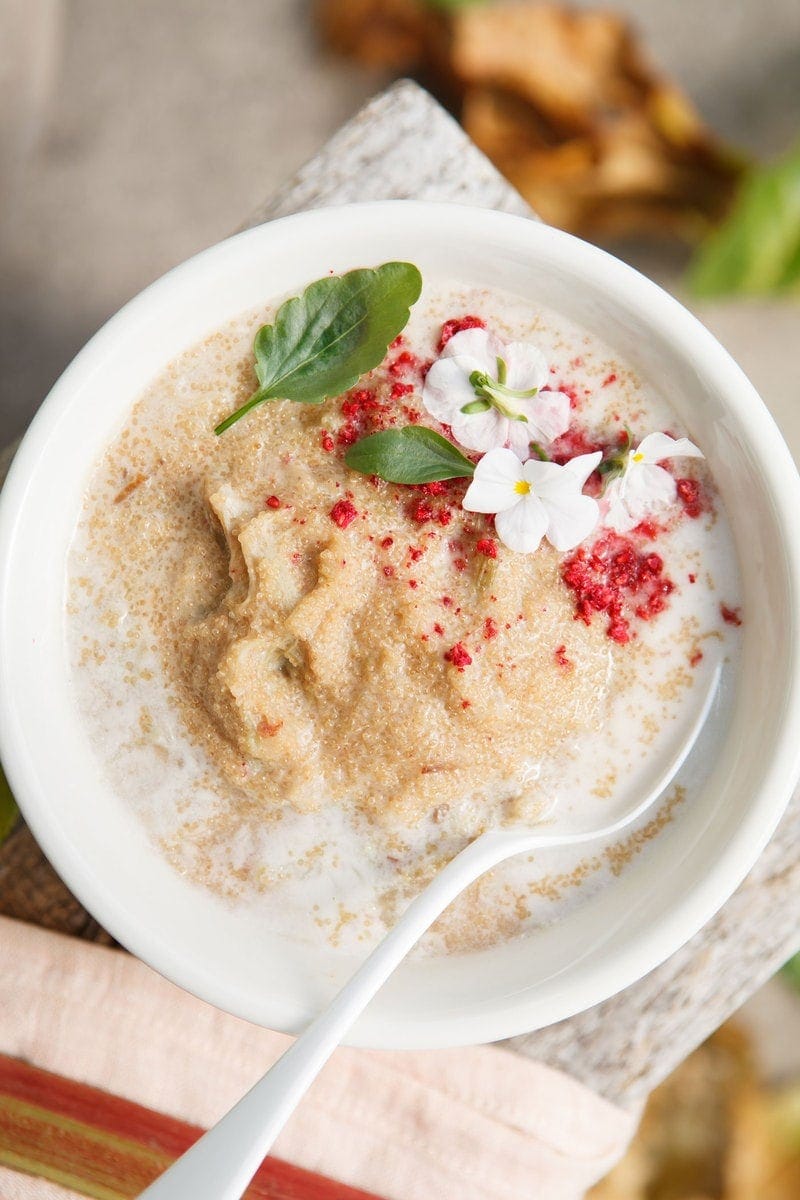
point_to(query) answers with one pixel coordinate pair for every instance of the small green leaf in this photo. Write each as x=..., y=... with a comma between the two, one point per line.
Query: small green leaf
x=476, y=406
x=8, y=809
x=756, y=251
x=324, y=340
x=413, y=454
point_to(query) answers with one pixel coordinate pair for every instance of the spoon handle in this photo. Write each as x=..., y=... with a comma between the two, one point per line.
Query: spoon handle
x=221, y=1164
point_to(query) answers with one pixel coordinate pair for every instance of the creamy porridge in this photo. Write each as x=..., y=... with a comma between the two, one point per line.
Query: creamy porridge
x=314, y=686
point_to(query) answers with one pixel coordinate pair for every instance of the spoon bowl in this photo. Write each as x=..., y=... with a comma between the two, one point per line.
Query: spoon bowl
x=573, y=824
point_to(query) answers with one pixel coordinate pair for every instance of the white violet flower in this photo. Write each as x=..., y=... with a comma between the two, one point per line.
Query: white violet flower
x=643, y=487
x=534, y=499
x=489, y=393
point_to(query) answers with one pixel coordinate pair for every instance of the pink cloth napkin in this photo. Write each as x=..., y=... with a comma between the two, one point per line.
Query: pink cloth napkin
x=481, y=1123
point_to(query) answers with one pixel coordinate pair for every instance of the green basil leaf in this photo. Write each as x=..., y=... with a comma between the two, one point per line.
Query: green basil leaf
x=8, y=809
x=756, y=250
x=324, y=340
x=413, y=454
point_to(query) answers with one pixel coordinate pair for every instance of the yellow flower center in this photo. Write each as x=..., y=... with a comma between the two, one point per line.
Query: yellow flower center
x=638, y=457
x=522, y=487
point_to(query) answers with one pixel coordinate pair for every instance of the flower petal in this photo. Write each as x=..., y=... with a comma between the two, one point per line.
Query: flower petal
x=447, y=389
x=660, y=445
x=583, y=465
x=548, y=416
x=493, y=487
x=527, y=366
x=518, y=437
x=523, y=526
x=553, y=414
x=479, y=344
x=613, y=510
x=648, y=487
x=570, y=519
x=542, y=475
x=481, y=431
x=571, y=516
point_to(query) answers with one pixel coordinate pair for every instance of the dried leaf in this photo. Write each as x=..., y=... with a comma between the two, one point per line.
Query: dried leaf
x=564, y=102
x=568, y=107
x=392, y=34
x=764, y=1156
x=680, y=1151
x=568, y=65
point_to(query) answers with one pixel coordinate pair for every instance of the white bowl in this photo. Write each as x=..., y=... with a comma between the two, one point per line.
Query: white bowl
x=102, y=853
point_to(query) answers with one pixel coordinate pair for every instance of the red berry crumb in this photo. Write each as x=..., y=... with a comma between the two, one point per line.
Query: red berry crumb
x=387, y=542
x=273, y=502
x=437, y=628
x=459, y=656
x=422, y=512
x=347, y=435
x=572, y=443
x=267, y=728
x=490, y=629
x=560, y=654
x=404, y=362
x=458, y=325
x=615, y=578
x=731, y=616
x=487, y=547
x=570, y=390
x=690, y=496
x=648, y=529
x=343, y=513
x=696, y=658
x=326, y=441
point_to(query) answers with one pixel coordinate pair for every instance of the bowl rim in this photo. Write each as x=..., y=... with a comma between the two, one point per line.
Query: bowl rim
x=690, y=340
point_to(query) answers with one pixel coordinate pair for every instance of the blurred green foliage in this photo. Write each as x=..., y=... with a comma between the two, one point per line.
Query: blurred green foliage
x=791, y=972
x=756, y=250
x=8, y=809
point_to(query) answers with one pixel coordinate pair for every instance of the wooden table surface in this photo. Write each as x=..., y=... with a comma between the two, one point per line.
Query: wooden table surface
x=403, y=145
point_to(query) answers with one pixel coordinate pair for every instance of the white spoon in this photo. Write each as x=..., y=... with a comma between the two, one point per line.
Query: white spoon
x=221, y=1164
